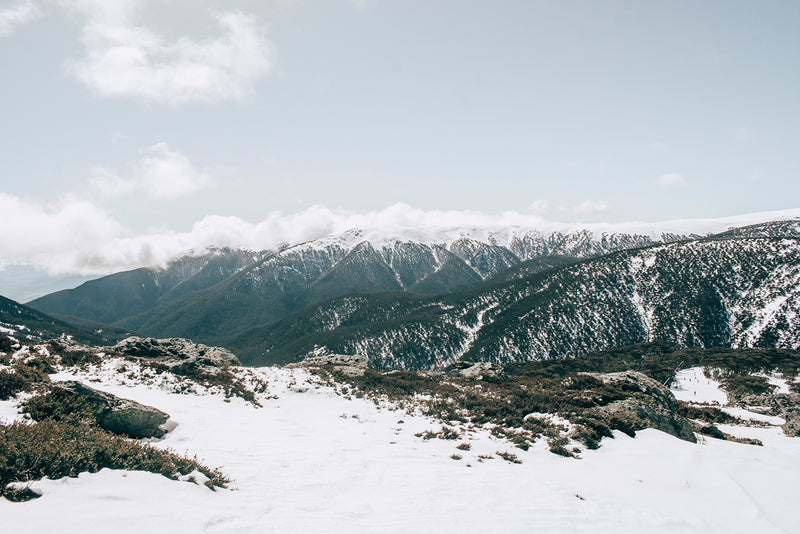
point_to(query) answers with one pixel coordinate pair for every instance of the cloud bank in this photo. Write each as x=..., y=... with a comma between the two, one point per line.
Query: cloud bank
x=49, y=235
x=16, y=15
x=74, y=236
x=591, y=207
x=125, y=60
x=671, y=179
x=162, y=174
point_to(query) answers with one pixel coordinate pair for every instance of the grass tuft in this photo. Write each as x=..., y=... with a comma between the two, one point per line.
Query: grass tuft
x=65, y=448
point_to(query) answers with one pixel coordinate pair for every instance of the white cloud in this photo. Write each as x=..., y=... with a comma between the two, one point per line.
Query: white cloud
x=21, y=13
x=47, y=234
x=126, y=60
x=76, y=237
x=162, y=174
x=670, y=180
x=539, y=207
x=591, y=207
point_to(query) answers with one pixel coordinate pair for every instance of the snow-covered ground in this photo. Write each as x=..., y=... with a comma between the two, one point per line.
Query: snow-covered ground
x=312, y=461
x=692, y=385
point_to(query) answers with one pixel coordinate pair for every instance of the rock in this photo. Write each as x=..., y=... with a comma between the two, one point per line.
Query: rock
x=651, y=404
x=479, y=370
x=118, y=415
x=176, y=351
x=349, y=364
x=645, y=414
x=785, y=405
x=639, y=382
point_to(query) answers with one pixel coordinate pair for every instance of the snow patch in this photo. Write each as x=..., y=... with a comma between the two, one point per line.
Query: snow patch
x=692, y=385
x=748, y=415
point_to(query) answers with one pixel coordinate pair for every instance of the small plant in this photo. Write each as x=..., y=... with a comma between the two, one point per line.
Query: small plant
x=448, y=433
x=464, y=446
x=509, y=457
x=11, y=383
x=455, y=456
x=558, y=446
x=6, y=344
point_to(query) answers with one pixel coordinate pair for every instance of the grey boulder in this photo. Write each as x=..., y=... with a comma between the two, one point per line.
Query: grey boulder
x=651, y=405
x=118, y=415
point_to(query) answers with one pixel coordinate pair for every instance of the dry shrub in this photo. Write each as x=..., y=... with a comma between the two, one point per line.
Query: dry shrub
x=12, y=383
x=739, y=386
x=65, y=448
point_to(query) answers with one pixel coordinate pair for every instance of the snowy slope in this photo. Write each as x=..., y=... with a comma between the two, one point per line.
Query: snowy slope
x=711, y=292
x=312, y=461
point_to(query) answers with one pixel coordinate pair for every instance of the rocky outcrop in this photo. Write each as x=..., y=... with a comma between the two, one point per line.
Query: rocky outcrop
x=651, y=405
x=118, y=415
x=784, y=405
x=349, y=364
x=477, y=370
x=176, y=351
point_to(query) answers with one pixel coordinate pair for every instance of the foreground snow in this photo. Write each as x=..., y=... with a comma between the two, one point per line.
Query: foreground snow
x=311, y=461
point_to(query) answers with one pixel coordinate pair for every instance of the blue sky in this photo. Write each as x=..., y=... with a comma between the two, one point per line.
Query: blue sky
x=127, y=121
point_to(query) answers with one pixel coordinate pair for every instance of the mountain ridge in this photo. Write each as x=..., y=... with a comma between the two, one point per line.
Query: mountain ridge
x=368, y=289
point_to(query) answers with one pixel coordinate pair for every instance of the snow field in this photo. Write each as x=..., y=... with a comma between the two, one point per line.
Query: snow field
x=692, y=385
x=312, y=461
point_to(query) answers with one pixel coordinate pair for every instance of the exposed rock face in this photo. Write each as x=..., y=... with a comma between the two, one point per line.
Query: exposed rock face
x=176, y=351
x=640, y=382
x=351, y=365
x=651, y=406
x=785, y=405
x=478, y=370
x=120, y=416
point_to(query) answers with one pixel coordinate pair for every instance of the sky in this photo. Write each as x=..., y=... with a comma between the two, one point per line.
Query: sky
x=134, y=123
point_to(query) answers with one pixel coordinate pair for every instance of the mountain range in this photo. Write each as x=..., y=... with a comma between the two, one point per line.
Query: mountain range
x=421, y=300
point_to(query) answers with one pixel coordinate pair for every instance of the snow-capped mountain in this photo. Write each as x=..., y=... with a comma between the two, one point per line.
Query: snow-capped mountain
x=186, y=296
x=420, y=299
x=712, y=292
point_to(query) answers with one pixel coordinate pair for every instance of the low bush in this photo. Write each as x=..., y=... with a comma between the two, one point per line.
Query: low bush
x=33, y=374
x=739, y=386
x=503, y=402
x=72, y=355
x=59, y=405
x=707, y=414
x=223, y=378
x=660, y=360
x=64, y=448
x=6, y=344
x=12, y=383
x=509, y=457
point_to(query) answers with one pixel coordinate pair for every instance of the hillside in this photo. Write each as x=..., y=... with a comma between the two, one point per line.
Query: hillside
x=31, y=325
x=120, y=295
x=714, y=292
x=213, y=295
x=512, y=295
